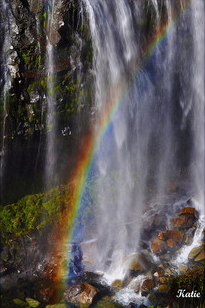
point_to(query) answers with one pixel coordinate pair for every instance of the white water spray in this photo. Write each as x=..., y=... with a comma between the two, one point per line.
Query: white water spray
x=144, y=149
x=51, y=100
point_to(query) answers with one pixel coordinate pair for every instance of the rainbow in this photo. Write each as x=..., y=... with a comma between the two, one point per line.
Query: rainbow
x=91, y=142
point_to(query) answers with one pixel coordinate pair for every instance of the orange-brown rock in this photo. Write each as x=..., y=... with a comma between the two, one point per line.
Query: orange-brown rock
x=176, y=235
x=187, y=210
x=161, y=236
x=117, y=284
x=158, y=246
x=183, y=221
x=171, y=243
x=163, y=280
x=147, y=286
x=80, y=295
x=163, y=288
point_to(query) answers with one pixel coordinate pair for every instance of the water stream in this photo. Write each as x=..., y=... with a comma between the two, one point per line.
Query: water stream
x=51, y=100
x=154, y=138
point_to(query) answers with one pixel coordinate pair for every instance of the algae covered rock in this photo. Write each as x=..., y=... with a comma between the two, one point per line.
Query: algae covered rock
x=32, y=302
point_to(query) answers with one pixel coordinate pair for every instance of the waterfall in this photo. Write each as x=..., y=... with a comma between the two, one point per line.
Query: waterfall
x=51, y=101
x=6, y=63
x=155, y=64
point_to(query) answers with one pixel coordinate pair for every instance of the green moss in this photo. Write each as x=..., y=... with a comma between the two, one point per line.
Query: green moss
x=193, y=280
x=32, y=212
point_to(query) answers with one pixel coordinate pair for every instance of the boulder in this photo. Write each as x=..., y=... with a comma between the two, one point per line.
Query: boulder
x=147, y=286
x=158, y=246
x=117, y=284
x=163, y=280
x=163, y=288
x=80, y=295
x=195, y=252
x=19, y=302
x=32, y=302
x=179, y=222
x=189, y=236
x=171, y=243
x=200, y=257
x=161, y=236
x=176, y=235
x=183, y=269
x=189, y=211
x=152, y=298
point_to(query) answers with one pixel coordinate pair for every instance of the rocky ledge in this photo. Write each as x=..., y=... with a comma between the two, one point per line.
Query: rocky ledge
x=152, y=272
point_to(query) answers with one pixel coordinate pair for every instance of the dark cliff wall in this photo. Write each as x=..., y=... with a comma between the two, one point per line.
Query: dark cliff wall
x=24, y=89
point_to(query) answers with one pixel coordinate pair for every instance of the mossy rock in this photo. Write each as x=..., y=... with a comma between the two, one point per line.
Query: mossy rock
x=32, y=302
x=19, y=302
x=33, y=212
x=193, y=280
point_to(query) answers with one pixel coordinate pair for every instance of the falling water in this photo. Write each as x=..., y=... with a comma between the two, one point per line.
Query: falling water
x=160, y=116
x=5, y=79
x=51, y=101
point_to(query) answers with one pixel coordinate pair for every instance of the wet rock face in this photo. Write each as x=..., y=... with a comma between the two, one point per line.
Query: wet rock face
x=25, y=31
x=182, y=232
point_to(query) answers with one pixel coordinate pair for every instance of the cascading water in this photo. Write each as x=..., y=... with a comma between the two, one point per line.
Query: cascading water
x=151, y=70
x=5, y=80
x=51, y=101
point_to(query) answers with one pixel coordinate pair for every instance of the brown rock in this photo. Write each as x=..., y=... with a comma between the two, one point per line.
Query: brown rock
x=117, y=284
x=183, y=269
x=195, y=252
x=152, y=298
x=80, y=294
x=189, y=236
x=163, y=280
x=147, y=286
x=183, y=222
x=187, y=210
x=176, y=235
x=171, y=243
x=158, y=246
x=161, y=236
x=168, y=272
x=178, y=222
x=200, y=257
x=163, y=288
